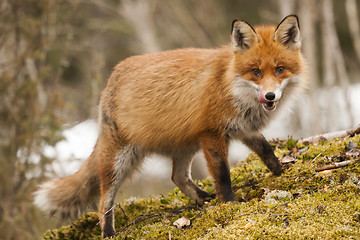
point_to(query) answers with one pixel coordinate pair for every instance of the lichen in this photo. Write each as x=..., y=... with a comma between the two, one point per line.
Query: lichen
x=299, y=204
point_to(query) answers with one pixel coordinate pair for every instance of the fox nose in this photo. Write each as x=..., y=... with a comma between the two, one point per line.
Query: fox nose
x=270, y=96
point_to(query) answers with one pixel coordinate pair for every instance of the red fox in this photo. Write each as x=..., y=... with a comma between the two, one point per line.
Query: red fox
x=177, y=102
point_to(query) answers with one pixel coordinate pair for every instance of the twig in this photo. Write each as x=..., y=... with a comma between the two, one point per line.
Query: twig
x=123, y=211
x=321, y=153
x=232, y=219
x=137, y=220
x=232, y=182
x=147, y=216
x=246, y=214
x=336, y=165
x=106, y=213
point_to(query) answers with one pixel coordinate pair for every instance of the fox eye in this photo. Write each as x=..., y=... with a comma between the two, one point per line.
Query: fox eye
x=256, y=72
x=279, y=70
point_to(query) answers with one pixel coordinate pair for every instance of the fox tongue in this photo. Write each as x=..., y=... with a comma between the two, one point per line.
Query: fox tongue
x=266, y=104
x=261, y=97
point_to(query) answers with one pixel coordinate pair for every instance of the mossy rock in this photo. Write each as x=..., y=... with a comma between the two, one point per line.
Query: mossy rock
x=300, y=204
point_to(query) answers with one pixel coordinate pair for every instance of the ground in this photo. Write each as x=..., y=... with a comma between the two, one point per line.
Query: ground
x=300, y=204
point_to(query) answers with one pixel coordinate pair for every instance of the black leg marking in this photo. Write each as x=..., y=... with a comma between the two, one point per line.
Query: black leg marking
x=224, y=182
x=108, y=230
x=262, y=148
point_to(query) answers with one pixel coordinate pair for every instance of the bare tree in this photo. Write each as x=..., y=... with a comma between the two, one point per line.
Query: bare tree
x=308, y=13
x=140, y=14
x=286, y=7
x=329, y=74
x=334, y=53
x=353, y=21
x=27, y=117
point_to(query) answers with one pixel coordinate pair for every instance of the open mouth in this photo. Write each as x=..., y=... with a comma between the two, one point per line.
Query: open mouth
x=269, y=106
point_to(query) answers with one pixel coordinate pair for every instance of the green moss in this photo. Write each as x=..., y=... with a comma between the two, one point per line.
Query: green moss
x=85, y=227
x=300, y=204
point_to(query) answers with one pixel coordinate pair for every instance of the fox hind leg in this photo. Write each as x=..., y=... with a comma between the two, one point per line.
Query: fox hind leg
x=181, y=176
x=123, y=163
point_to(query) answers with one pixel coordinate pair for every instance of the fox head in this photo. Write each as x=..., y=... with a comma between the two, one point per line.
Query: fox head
x=267, y=59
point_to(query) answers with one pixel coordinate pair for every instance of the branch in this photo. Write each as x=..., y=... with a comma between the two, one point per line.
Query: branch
x=336, y=165
x=326, y=136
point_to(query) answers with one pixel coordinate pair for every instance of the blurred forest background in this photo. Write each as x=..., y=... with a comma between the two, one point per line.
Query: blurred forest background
x=56, y=55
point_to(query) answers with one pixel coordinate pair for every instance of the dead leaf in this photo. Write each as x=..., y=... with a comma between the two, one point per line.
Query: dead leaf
x=288, y=159
x=285, y=223
x=326, y=172
x=300, y=151
x=351, y=146
x=182, y=222
x=247, y=226
x=353, y=152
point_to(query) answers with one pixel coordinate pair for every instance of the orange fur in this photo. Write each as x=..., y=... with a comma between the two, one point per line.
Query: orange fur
x=165, y=98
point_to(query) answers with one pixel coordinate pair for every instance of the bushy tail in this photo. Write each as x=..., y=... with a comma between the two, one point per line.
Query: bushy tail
x=70, y=195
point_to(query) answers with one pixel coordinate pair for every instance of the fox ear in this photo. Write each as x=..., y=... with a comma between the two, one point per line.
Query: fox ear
x=288, y=32
x=242, y=36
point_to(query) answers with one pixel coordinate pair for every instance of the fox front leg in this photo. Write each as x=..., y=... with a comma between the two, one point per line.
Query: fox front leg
x=262, y=148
